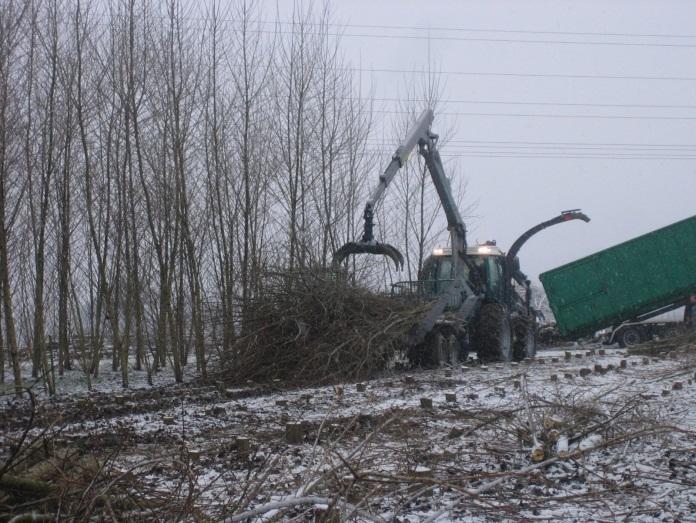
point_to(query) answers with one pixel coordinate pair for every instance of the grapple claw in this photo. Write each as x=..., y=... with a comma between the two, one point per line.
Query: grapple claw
x=383, y=249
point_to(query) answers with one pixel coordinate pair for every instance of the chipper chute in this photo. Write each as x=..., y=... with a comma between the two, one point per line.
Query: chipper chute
x=368, y=245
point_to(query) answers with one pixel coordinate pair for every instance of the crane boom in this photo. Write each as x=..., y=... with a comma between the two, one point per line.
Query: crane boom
x=419, y=134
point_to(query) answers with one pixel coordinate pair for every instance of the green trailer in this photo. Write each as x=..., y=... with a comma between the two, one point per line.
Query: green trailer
x=625, y=284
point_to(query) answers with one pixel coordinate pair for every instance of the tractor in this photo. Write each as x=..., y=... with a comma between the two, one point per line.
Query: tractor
x=481, y=301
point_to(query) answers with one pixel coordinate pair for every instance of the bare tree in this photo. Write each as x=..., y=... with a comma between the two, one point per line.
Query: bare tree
x=12, y=18
x=142, y=152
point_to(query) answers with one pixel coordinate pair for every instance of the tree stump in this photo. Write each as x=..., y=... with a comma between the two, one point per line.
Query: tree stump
x=294, y=433
x=243, y=445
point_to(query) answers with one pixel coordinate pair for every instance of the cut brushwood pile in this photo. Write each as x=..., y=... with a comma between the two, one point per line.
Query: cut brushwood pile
x=308, y=327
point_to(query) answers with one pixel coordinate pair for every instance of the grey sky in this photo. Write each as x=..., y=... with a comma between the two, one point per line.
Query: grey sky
x=651, y=185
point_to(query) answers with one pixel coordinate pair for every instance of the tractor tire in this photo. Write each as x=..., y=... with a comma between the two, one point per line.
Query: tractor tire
x=435, y=351
x=451, y=350
x=524, y=338
x=463, y=346
x=629, y=336
x=492, y=333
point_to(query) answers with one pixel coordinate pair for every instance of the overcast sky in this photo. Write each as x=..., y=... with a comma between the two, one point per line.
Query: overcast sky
x=622, y=149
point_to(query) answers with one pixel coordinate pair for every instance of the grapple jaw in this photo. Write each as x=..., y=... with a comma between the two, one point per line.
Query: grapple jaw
x=372, y=247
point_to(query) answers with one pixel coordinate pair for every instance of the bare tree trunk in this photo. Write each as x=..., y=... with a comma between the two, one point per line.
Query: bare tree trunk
x=39, y=218
x=5, y=277
x=63, y=190
x=2, y=343
x=11, y=23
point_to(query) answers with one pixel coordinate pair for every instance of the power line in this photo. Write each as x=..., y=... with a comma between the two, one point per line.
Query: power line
x=624, y=144
x=454, y=145
x=492, y=40
x=479, y=30
x=506, y=102
x=505, y=145
x=448, y=151
x=554, y=145
x=568, y=116
x=449, y=38
x=524, y=75
x=551, y=156
x=433, y=28
x=574, y=157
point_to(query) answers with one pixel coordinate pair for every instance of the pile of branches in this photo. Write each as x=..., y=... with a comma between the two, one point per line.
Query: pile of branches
x=45, y=476
x=312, y=327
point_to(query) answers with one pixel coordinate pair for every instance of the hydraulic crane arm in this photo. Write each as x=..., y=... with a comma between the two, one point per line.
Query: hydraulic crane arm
x=399, y=159
x=418, y=132
x=455, y=223
x=420, y=135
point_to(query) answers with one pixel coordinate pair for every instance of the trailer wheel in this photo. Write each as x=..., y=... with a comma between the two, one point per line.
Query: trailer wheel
x=629, y=336
x=672, y=332
x=524, y=336
x=492, y=334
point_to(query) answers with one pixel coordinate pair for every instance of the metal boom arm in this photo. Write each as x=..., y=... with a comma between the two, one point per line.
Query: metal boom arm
x=455, y=223
x=418, y=132
x=399, y=158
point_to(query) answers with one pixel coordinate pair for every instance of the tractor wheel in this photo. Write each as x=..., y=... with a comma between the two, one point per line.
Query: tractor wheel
x=492, y=334
x=524, y=336
x=452, y=350
x=431, y=352
x=629, y=336
x=463, y=347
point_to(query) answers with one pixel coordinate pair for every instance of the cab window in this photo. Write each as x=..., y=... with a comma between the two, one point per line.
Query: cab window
x=494, y=275
x=444, y=270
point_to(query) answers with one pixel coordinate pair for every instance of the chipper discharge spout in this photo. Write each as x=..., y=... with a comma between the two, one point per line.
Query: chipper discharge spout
x=367, y=244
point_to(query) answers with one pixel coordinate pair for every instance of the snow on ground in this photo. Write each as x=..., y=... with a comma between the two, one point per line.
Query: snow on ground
x=73, y=382
x=496, y=453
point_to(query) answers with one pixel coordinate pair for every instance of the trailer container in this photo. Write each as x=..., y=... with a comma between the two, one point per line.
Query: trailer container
x=635, y=280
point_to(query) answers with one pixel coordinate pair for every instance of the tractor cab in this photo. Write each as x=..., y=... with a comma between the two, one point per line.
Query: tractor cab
x=485, y=270
x=486, y=260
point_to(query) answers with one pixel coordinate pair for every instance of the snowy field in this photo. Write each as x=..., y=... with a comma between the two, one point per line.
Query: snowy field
x=573, y=436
